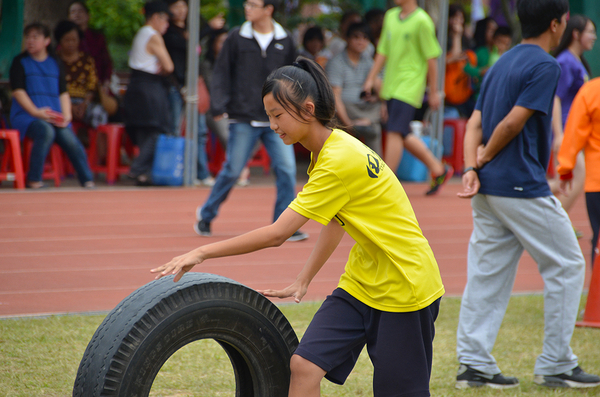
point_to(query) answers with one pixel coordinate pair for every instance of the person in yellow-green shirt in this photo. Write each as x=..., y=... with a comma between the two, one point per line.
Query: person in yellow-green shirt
x=389, y=294
x=408, y=48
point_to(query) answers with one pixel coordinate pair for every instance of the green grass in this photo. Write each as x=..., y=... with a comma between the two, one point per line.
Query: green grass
x=40, y=357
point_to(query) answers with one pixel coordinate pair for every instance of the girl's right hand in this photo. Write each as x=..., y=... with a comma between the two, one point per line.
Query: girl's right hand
x=179, y=265
x=44, y=114
x=296, y=290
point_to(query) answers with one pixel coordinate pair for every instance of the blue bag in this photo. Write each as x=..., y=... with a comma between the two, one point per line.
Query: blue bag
x=168, y=160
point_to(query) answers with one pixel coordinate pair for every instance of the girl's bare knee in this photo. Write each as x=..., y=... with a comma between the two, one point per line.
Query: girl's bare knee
x=301, y=367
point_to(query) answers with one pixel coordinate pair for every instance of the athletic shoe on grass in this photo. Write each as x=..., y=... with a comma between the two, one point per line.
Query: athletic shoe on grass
x=468, y=377
x=576, y=378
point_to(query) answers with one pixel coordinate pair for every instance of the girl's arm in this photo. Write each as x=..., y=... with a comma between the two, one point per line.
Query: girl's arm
x=269, y=236
x=156, y=46
x=557, y=127
x=26, y=103
x=327, y=243
x=65, y=106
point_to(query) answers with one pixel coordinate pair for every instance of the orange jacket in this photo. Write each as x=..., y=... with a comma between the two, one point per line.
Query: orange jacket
x=582, y=131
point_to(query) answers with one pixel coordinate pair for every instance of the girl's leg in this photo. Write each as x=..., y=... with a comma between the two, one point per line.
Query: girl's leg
x=42, y=134
x=305, y=379
x=400, y=346
x=74, y=150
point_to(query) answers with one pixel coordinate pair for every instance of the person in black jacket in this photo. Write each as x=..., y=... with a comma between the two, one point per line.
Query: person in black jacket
x=250, y=53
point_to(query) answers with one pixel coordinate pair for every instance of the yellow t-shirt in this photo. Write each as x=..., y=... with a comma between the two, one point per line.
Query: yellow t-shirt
x=391, y=267
x=407, y=44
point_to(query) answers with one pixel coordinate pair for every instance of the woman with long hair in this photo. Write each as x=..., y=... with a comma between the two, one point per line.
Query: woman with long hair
x=579, y=37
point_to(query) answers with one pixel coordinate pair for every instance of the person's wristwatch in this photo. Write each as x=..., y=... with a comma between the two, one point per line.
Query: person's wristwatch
x=476, y=170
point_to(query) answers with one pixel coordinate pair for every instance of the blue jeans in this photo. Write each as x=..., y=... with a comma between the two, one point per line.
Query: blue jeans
x=43, y=135
x=242, y=138
x=176, y=104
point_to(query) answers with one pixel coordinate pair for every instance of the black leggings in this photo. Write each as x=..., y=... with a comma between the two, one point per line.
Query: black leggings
x=592, y=200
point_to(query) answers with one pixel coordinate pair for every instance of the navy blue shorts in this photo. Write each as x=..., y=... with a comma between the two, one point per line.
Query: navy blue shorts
x=400, y=345
x=400, y=114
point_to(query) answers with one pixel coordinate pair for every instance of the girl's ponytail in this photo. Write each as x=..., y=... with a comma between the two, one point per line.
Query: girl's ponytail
x=292, y=85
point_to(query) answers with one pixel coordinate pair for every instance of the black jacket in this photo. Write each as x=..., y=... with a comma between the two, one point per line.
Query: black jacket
x=242, y=68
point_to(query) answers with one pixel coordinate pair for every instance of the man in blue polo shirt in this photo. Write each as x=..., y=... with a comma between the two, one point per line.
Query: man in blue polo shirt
x=507, y=151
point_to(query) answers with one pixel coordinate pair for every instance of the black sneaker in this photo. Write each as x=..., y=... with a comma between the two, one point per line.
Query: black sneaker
x=438, y=181
x=202, y=228
x=298, y=236
x=469, y=377
x=574, y=378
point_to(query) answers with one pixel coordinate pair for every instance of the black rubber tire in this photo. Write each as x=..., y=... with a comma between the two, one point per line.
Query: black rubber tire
x=146, y=328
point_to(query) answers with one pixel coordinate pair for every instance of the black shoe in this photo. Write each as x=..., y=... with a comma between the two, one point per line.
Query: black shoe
x=438, y=181
x=574, y=378
x=469, y=377
x=202, y=228
x=298, y=236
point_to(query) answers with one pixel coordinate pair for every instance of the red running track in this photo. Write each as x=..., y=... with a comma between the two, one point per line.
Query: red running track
x=69, y=251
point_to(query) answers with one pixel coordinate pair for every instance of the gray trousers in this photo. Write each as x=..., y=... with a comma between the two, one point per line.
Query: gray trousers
x=502, y=228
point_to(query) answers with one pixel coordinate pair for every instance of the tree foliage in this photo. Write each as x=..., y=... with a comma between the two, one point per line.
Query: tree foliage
x=119, y=20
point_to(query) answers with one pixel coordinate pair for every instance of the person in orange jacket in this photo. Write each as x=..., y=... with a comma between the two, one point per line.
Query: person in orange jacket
x=582, y=131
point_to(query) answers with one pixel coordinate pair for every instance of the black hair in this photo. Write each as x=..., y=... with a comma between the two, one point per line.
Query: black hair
x=171, y=2
x=373, y=14
x=576, y=22
x=81, y=3
x=274, y=3
x=64, y=27
x=345, y=18
x=314, y=32
x=156, y=7
x=212, y=38
x=454, y=9
x=480, y=31
x=358, y=27
x=40, y=27
x=292, y=85
x=536, y=16
x=503, y=31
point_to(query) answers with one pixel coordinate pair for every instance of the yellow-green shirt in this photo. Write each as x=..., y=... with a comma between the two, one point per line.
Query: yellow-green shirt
x=407, y=44
x=391, y=267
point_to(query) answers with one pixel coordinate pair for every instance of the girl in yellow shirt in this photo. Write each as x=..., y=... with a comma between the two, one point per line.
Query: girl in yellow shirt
x=388, y=297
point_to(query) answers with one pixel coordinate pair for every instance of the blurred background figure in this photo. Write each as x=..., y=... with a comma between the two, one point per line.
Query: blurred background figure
x=146, y=101
x=579, y=37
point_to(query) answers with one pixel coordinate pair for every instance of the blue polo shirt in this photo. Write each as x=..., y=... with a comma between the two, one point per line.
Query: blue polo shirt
x=525, y=76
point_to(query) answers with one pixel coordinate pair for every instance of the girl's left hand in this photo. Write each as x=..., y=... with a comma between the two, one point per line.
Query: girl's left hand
x=179, y=265
x=296, y=290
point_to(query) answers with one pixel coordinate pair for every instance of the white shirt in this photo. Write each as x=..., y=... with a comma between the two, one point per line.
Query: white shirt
x=139, y=58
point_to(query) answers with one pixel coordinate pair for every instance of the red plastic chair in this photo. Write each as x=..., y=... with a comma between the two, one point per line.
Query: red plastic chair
x=456, y=159
x=114, y=137
x=11, y=166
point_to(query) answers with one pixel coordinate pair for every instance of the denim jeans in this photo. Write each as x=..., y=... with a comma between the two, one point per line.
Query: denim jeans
x=242, y=138
x=44, y=135
x=176, y=103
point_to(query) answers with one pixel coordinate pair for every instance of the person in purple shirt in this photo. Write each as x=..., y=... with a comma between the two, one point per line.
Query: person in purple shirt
x=579, y=37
